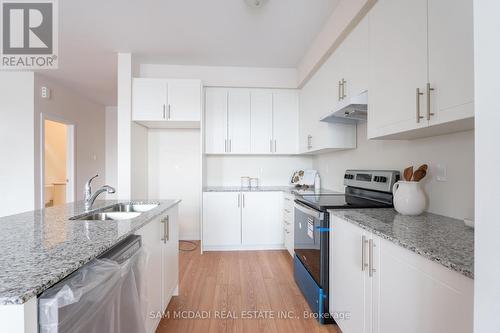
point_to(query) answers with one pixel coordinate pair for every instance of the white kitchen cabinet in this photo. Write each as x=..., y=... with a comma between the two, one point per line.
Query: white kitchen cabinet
x=349, y=284
x=160, y=241
x=404, y=292
x=413, y=294
x=152, y=243
x=288, y=218
x=421, y=74
x=221, y=219
x=319, y=97
x=285, y=121
x=156, y=102
x=184, y=100
x=239, y=121
x=149, y=99
x=251, y=121
x=398, y=66
x=261, y=125
x=262, y=218
x=215, y=120
x=451, y=60
x=242, y=220
x=170, y=256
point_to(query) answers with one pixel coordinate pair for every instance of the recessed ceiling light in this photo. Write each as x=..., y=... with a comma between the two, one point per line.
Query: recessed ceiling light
x=256, y=3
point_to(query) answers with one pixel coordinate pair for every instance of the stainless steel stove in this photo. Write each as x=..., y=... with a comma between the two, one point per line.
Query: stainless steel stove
x=364, y=189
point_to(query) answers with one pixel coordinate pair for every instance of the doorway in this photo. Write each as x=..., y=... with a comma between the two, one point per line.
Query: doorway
x=57, y=163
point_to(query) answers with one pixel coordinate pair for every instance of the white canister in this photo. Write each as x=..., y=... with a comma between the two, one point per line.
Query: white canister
x=245, y=182
x=409, y=198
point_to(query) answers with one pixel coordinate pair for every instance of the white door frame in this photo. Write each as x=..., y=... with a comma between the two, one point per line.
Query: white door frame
x=70, y=157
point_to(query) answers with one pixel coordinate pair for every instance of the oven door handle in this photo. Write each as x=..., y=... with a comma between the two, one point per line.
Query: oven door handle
x=309, y=211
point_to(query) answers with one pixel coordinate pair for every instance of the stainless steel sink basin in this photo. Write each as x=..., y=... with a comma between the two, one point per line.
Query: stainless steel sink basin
x=138, y=208
x=109, y=216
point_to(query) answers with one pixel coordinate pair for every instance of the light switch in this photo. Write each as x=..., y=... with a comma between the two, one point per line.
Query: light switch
x=441, y=173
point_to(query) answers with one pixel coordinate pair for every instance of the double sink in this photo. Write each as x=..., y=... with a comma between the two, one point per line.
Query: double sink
x=121, y=211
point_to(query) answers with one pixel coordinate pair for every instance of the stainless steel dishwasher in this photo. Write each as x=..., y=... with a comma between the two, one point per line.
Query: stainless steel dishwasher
x=103, y=296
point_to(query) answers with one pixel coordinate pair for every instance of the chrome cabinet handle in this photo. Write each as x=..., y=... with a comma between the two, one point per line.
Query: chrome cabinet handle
x=164, y=221
x=309, y=141
x=225, y=145
x=239, y=200
x=243, y=201
x=271, y=145
x=229, y=145
x=274, y=145
x=418, y=94
x=371, y=270
x=363, y=253
x=169, y=112
x=164, y=114
x=343, y=88
x=168, y=228
x=429, y=89
x=287, y=210
x=340, y=91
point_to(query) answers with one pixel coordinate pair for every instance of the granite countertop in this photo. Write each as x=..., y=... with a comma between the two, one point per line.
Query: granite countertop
x=40, y=248
x=287, y=189
x=442, y=239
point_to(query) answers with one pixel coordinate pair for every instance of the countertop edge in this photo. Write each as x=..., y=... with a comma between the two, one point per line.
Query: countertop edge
x=443, y=262
x=26, y=296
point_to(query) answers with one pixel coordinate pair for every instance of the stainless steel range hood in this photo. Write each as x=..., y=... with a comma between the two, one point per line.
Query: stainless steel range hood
x=349, y=111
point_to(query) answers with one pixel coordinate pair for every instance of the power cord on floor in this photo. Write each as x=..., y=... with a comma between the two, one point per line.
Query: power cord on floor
x=193, y=244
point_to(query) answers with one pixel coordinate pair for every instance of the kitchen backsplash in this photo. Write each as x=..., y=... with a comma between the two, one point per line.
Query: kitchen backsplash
x=454, y=152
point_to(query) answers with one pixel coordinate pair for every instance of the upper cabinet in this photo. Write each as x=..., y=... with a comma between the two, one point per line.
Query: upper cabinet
x=166, y=102
x=421, y=74
x=251, y=121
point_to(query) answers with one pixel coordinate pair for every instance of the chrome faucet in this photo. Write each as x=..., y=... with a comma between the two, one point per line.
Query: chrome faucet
x=89, y=197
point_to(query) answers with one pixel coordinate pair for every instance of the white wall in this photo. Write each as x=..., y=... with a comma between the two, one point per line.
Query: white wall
x=89, y=120
x=454, y=197
x=139, y=162
x=225, y=76
x=17, y=182
x=175, y=172
x=487, y=269
x=272, y=170
x=111, y=149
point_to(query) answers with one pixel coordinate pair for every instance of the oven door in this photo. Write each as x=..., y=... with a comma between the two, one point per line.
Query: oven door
x=307, y=239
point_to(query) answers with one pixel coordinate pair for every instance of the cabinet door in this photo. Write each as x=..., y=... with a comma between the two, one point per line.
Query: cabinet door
x=261, y=121
x=398, y=65
x=215, y=120
x=285, y=121
x=349, y=284
x=151, y=241
x=262, y=218
x=413, y=294
x=170, y=255
x=184, y=100
x=149, y=99
x=239, y=121
x=221, y=219
x=451, y=60
x=354, y=54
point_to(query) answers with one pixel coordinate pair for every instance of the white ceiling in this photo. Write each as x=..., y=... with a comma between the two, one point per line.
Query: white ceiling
x=184, y=32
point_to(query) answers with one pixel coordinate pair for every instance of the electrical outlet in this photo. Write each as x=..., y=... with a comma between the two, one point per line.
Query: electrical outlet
x=45, y=92
x=441, y=173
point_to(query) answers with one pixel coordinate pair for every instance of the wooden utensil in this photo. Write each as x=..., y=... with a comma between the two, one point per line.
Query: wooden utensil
x=408, y=173
x=423, y=167
x=419, y=175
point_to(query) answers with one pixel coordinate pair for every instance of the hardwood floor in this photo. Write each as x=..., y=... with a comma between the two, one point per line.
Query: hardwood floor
x=222, y=287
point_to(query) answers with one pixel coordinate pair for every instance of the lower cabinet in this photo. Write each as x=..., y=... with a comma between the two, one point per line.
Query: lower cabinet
x=288, y=217
x=385, y=288
x=242, y=220
x=160, y=240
